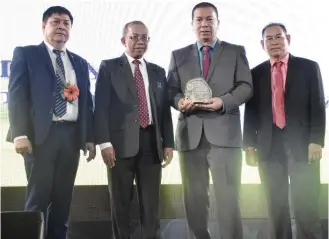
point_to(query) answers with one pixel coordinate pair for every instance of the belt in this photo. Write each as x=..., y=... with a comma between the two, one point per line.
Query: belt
x=64, y=122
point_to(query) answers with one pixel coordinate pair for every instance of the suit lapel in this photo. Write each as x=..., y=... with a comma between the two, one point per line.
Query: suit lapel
x=193, y=61
x=128, y=76
x=77, y=67
x=152, y=77
x=266, y=82
x=215, y=58
x=290, y=73
x=151, y=73
x=46, y=59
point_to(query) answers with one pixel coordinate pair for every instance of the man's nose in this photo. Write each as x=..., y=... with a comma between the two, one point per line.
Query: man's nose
x=204, y=23
x=61, y=25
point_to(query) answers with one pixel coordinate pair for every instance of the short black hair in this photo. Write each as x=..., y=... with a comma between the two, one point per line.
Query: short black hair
x=56, y=9
x=203, y=5
x=127, y=25
x=275, y=24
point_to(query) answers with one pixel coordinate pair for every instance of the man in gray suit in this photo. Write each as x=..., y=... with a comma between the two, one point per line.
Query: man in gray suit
x=133, y=127
x=209, y=136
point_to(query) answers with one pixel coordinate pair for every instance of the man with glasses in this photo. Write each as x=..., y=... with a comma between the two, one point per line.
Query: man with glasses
x=134, y=130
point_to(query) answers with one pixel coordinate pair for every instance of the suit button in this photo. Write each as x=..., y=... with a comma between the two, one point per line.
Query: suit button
x=54, y=93
x=136, y=106
x=136, y=121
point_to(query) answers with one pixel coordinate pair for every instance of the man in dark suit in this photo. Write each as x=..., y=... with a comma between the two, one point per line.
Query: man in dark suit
x=209, y=136
x=133, y=127
x=51, y=118
x=284, y=129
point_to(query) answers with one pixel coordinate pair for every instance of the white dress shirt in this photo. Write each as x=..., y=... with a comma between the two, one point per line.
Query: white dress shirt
x=72, y=108
x=143, y=70
x=70, y=76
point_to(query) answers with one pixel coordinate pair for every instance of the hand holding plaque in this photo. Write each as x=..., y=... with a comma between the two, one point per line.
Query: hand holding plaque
x=198, y=91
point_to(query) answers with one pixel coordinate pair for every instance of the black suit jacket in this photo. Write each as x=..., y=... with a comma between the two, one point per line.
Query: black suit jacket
x=116, y=107
x=31, y=97
x=304, y=108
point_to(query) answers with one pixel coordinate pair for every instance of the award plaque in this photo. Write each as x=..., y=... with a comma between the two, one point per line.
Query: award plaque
x=198, y=91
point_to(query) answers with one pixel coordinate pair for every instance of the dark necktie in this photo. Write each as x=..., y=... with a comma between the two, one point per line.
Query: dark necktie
x=278, y=96
x=143, y=110
x=205, y=61
x=60, y=103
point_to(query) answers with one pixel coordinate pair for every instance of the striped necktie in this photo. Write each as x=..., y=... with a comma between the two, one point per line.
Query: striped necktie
x=60, y=103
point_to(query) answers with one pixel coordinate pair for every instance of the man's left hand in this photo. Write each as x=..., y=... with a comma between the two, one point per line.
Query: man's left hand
x=168, y=155
x=213, y=104
x=92, y=151
x=314, y=152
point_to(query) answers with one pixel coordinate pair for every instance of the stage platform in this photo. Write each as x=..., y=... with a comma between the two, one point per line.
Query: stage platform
x=90, y=214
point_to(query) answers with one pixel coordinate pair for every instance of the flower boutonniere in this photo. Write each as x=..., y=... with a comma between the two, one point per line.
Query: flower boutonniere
x=70, y=92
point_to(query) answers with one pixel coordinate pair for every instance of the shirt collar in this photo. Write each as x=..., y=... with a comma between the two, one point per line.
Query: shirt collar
x=50, y=48
x=130, y=59
x=213, y=45
x=284, y=60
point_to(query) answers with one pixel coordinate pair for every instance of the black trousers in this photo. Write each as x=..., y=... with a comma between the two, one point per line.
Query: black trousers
x=225, y=168
x=275, y=172
x=145, y=168
x=51, y=171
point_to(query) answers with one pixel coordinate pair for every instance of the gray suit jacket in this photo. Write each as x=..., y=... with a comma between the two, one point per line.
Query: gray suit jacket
x=116, y=107
x=229, y=78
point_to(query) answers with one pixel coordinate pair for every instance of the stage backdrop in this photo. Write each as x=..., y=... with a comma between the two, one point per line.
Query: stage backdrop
x=96, y=35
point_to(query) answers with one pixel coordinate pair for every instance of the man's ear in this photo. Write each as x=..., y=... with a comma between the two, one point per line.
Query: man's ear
x=123, y=41
x=288, y=38
x=43, y=26
x=262, y=43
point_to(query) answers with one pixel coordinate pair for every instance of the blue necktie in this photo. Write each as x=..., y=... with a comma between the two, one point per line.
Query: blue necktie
x=60, y=104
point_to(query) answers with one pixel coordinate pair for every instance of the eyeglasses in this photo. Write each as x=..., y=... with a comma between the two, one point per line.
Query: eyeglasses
x=137, y=38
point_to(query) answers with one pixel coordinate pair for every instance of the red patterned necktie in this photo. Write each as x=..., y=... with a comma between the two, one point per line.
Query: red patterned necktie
x=143, y=110
x=205, y=61
x=279, y=117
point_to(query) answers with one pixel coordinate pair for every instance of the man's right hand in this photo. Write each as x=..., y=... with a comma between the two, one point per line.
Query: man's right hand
x=108, y=155
x=251, y=156
x=185, y=105
x=23, y=146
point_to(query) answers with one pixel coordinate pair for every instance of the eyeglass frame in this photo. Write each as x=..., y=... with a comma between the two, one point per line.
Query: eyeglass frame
x=137, y=38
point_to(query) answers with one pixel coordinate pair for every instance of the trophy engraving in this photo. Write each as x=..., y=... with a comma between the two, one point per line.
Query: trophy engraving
x=198, y=91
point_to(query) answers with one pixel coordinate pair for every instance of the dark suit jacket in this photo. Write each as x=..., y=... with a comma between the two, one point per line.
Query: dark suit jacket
x=116, y=107
x=229, y=78
x=304, y=107
x=31, y=99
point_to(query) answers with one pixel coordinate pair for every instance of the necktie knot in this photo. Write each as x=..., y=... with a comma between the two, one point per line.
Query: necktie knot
x=278, y=64
x=58, y=52
x=206, y=48
x=136, y=62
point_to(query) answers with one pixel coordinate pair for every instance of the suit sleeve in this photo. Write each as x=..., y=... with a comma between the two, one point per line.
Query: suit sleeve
x=90, y=111
x=317, y=105
x=251, y=120
x=174, y=84
x=243, y=88
x=167, y=125
x=102, y=105
x=18, y=95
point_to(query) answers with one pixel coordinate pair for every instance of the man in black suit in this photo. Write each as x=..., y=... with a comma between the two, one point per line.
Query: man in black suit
x=284, y=129
x=48, y=125
x=133, y=127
